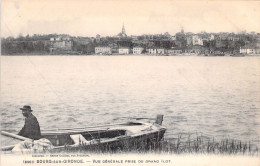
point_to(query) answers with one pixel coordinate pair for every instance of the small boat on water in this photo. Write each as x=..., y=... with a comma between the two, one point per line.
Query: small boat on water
x=113, y=136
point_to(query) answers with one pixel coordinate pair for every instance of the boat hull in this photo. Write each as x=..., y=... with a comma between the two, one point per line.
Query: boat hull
x=128, y=136
x=125, y=143
x=133, y=135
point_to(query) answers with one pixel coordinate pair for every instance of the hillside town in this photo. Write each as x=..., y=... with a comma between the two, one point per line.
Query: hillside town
x=165, y=44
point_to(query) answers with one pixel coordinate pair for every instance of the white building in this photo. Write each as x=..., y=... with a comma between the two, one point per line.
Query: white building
x=247, y=50
x=123, y=50
x=152, y=51
x=160, y=50
x=212, y=37
x=138, y=50
x=196, y=40
x=174, y=51
x=173, y=37
x=60, y=43
x=103, y=50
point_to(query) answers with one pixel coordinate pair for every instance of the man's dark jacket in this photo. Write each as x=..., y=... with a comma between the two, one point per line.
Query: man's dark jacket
x=31, y=128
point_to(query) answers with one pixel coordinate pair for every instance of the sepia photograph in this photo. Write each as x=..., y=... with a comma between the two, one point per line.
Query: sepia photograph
x=128, y=82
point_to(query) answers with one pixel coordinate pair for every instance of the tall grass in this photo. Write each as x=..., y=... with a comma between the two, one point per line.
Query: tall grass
x=204, y=145
x=174, y=145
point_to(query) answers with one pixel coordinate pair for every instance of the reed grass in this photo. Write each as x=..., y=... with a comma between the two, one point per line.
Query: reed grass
x=209, y=146
x=174, y=145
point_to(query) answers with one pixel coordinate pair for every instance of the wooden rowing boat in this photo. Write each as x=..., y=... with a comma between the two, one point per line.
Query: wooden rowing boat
x=117, y=136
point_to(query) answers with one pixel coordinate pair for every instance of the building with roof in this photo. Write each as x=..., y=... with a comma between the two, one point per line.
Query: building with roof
x=233, y=37
x=152, y=50
x=123, y=50
x=160, y=50
x=212, y=37
x=173, y=37
x=138, y=50
x=60, y=43
x=247, y=50
x=174, y=51
x=103, y=50
x=197, y=40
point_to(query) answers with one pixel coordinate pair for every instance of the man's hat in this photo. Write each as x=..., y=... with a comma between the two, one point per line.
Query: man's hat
x=26, y=107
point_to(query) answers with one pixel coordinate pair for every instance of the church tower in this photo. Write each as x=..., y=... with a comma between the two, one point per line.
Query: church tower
x=123, y=30
x=122, y=33
x=182, y=30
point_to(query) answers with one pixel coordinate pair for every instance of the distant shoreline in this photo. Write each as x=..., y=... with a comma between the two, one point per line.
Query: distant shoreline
x=179, y=55
x=48, y=54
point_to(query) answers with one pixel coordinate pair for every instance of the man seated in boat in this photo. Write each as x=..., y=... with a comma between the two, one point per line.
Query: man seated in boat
x=31, y=127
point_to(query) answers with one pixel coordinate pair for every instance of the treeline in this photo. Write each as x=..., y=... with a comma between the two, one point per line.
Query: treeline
x=41, y=44
x=26, y=44
x=23, y=47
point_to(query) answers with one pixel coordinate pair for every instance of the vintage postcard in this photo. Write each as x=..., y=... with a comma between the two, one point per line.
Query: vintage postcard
x=127, y=82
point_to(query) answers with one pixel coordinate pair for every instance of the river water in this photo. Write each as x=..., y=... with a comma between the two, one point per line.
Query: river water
x=213, y=96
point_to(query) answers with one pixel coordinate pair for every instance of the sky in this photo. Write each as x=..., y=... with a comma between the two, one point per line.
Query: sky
x=106, y=17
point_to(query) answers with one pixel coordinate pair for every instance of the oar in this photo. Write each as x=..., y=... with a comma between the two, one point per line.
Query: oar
x=15, y=136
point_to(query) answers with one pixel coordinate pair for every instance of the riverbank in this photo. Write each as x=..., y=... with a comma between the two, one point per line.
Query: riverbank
x=47, y=54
